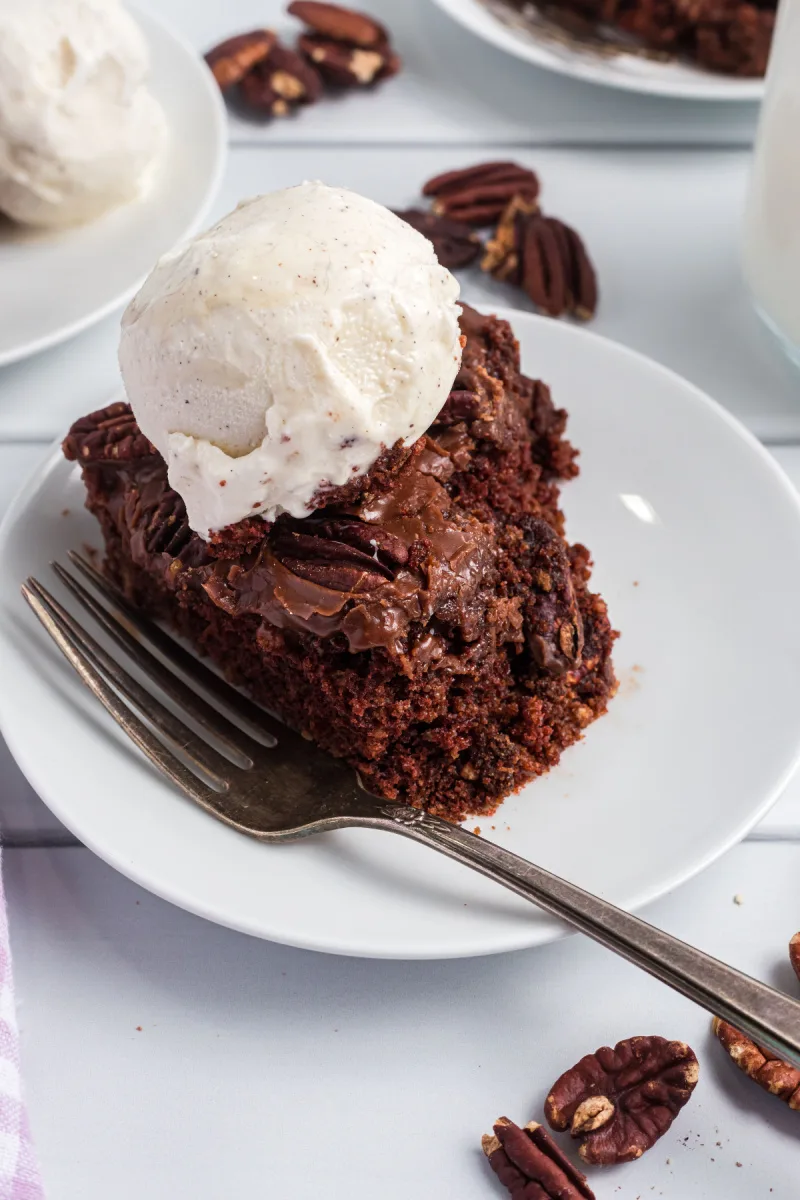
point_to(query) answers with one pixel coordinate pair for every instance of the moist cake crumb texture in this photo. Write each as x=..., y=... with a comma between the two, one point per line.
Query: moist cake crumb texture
x=427, y=622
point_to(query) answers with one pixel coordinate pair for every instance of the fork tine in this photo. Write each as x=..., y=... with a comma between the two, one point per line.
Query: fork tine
x=255, y=719
x=240, y=746
x=127, y=720
x=170, y=727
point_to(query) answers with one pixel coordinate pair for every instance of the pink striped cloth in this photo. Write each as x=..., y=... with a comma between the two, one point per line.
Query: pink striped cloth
x=19, y=1170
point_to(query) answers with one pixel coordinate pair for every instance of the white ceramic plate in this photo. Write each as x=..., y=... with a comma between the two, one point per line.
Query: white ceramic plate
x=696, y=535
x=63, y=281
x=632, y=72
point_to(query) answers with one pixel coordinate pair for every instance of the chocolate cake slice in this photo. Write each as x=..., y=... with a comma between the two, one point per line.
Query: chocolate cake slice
x=426, y=622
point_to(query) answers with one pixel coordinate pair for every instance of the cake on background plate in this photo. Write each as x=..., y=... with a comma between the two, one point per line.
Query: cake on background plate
x=360, y=529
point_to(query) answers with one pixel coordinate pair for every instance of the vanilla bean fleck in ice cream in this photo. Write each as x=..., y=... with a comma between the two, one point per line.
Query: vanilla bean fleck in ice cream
x=278, y=353
x=79, y=131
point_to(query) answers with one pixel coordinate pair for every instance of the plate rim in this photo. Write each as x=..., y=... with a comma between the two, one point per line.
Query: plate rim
x=470, y=14
x=496, y=941
x=147, y=21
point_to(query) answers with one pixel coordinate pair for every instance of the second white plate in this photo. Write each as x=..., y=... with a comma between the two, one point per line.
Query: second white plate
x=696, y=536
x=632, y=72
x=62, y=281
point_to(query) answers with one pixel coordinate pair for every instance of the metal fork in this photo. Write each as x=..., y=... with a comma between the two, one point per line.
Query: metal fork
x=289, y=789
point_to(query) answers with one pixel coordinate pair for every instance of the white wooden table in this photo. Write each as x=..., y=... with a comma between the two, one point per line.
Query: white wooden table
x=167, y=1058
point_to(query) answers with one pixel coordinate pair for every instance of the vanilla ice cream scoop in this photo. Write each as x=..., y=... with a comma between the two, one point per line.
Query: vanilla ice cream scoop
x=79, y=131
x=282, y=350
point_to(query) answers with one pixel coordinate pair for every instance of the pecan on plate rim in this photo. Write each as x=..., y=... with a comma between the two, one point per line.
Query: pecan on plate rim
x=794, y=954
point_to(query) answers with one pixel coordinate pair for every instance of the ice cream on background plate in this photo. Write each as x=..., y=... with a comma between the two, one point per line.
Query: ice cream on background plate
x=280, y=352
x=79, y=131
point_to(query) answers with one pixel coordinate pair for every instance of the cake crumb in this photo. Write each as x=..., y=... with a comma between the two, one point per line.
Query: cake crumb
x=477, y=831
x=738, y=899
x=138, y=1029
x=65, y=512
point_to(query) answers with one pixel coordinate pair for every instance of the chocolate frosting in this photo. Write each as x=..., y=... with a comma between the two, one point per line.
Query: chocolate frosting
x=449, y=557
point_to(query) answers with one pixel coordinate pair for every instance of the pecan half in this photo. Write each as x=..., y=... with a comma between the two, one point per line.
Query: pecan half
x=340, y=553
x=478, y=195
x=108, y=435
x=759, y=1064
x=622, y=1101
x=280, y=82
x=551, y=618
x=794, y=954
x=455, y=243
x=167, y=527
x=546, y=257
x=557, y=273
x=348, y=66
x=341, y=24
x=530, y=1165
x=232, y=59
x=469, y=400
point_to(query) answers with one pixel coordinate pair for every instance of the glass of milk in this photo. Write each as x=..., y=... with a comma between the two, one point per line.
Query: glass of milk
x=771, y=254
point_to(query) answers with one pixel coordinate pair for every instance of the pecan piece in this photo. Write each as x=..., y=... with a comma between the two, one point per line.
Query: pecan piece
x=108, y=435
x=622, y=1101
x=759, y=1064
x=503, y=254
x=373, y=541
x=340, y=553
x=557, y=273
x=552, y=621
x=341, y=24
x=348, y=66
x=167, y=528
x=794, y=954
x=232, y=59
x=546, y=257
x=455, y=243
x=530, y=1165
x=478, y=195
x=279, y=83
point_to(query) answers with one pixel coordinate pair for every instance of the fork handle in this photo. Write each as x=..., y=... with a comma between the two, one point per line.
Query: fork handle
x=767, y=1016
